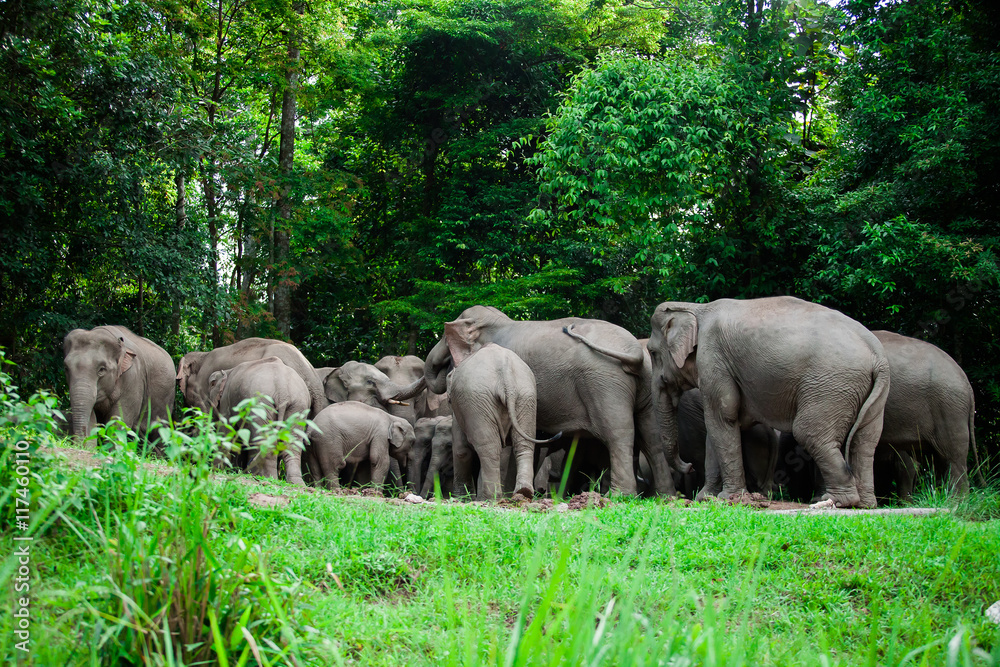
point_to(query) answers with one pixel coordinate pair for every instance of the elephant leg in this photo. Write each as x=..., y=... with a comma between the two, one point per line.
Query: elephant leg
x=524, y=450
x=722, y=403
x=462, y=459
x=958, y=470
x=651, y=447
x=713, y=473
x=380, y=463
x=906, y=473
x=863, y=461
x=270, y=468
x=293, y=466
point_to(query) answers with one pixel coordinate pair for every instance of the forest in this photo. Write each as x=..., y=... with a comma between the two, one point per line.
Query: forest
x=349, y=175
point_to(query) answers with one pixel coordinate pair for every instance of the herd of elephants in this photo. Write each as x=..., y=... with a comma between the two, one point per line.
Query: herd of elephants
x=723, y=398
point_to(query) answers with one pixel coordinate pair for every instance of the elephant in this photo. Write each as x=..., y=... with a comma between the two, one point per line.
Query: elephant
x=492, y=399
x=440, y=463
x=930, y=403
x=288, y=394
x=113, y=372
x=196, y=368
x=352, y=432
x=356, y=381
x=759, y=445
x=787, y=363
x=592, y=379
x=930, y=411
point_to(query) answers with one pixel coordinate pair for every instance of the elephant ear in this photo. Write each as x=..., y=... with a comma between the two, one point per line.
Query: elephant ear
x=397, y=433
x=125, y=356
x=183, y=372
x=334, y=389
x=216, y=385
x=681, y=333
x=461, y=336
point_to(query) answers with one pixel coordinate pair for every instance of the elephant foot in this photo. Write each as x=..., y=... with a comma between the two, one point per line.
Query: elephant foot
x=732, y=495
x=847, y=499
x=525, y=490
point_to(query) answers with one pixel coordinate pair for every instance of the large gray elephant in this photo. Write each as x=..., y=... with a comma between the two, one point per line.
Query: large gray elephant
x=783, y=362
x=113, y=372
x=196, y=368
x=930, y=403
x=759, y=445
x=591, y=377
x=493, y=399
x=352, y=432
x=441, y=461
x=285, y=394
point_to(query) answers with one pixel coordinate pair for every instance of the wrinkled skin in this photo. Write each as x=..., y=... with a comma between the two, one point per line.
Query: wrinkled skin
x=196, y=368
x=593, y=381
x=404, y=371
x=111, y=371
x=352, y=432
x=783, y=362
x=364, y=383
x=493, y=400
x=929, y=413
x=930, y=410
x=288, y=394
x=759, y=445
x=440, y=462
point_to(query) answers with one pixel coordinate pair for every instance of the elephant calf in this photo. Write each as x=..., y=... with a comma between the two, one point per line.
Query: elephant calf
x=352, y=432
x=492, y=398
x=287, y=392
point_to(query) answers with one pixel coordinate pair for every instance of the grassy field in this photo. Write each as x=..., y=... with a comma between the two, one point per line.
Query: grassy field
x=169, y=562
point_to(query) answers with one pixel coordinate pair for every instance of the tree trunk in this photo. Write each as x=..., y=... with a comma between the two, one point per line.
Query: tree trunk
x=180, y=215
x=286, y=154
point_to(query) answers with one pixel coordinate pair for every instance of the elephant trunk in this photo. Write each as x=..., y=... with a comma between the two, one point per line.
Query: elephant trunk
x=83, y=396
x=390, y=391
x=436, y=368
x=666, y=417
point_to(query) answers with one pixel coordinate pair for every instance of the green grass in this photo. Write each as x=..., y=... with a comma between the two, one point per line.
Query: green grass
x=171, y=564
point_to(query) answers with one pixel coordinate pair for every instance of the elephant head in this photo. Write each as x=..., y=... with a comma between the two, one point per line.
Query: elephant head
x=95, y=363
x=673, y=350
x=401, y=439
x=470, y=330
x=355, y=381
x=188, y=369
x=216, y=385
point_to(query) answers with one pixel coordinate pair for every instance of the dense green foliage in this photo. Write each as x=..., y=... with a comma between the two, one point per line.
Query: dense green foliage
x=550, y=158
x=134, y=561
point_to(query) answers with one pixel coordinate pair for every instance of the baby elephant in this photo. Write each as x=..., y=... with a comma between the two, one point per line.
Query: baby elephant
x=352, y=432
x=287, y=392
x=493, y=398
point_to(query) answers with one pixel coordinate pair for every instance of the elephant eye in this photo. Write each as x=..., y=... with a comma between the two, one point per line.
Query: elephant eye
x=102, y=370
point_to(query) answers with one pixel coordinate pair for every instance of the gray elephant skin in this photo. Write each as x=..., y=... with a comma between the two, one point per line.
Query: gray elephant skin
x=929, y=414
x=286, y=393
x=113, y=372
x=431, y=454
x=364, y=383
x=493, y=401
x=405, y=371
x=592, y=378
x=352, y=432
x=789, y=364
x=439, y=435
x=196, y=368
x=758, y=444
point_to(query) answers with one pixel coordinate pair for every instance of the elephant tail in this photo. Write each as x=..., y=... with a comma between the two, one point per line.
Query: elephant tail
x=972, y=441
x=879, y=392
x=632, y=363
x=512, y=410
